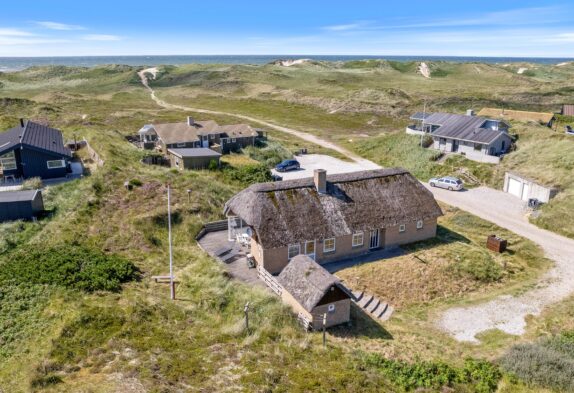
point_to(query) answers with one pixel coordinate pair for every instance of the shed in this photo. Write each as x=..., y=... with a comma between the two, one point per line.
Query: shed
x=568, y=110
x=192, y=158
x=20, y=205
x=525, y=188
x=312, y=292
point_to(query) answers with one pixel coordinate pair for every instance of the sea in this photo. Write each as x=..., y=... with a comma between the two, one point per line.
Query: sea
x=19, y=63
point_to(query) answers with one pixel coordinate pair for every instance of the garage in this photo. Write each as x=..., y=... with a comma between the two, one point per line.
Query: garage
x=526, y=188
x=20, y=205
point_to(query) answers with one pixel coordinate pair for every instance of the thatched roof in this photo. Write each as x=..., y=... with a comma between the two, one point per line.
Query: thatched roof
x=498, y=113
x=293, y=211
x=306, y=281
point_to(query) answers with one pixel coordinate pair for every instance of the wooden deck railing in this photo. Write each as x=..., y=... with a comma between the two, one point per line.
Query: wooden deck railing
x=269, y=280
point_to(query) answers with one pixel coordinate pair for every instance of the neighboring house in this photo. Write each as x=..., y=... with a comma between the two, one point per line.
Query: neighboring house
x=191, y=134
x=33, y=150
x=477, y=138
x=567, y=110
x=313, y=292
x=545, y=118
x=330, y=218
x=525, y=188
x=20, y=205
x=192, y=158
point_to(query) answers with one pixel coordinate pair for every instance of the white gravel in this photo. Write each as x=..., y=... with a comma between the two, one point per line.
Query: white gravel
x=310, y=162
x=508, y=313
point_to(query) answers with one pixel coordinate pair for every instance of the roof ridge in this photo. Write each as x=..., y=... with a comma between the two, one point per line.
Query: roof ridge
x=24, y=131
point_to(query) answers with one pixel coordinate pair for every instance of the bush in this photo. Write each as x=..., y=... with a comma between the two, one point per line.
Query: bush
x=480, y=267
x=270, y=155
x=213, y=165
x=549, y=363
x=481, y=375
x=67, y=265
x=427, y=141
x=135, y=183
x=249, y=174
x=33, y=183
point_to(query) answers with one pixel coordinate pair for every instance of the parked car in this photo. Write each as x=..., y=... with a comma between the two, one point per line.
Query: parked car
x=448, y=182
x=288, y=165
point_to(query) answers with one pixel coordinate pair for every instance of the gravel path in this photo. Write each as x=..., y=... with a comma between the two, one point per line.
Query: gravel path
x=508, y=313
x=366, y=164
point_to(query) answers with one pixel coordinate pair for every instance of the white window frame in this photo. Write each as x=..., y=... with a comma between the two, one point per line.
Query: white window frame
x=8, y=161
x=402, y=228
x=211, y=136
x=289, y=256
x=356, y=243
x=330, y=249
x=233, y=140
x=331, y=308
x=420, y=224
x=62, y=164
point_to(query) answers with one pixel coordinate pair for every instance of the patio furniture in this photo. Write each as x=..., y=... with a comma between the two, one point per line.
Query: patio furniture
x=250, y=261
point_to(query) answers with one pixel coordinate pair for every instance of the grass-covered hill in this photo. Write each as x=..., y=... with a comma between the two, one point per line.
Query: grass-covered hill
x=78, y=308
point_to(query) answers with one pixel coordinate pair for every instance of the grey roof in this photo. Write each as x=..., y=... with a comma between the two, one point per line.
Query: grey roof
x=420, y=116
x=194, y=152
x=293, y=211
x=18, y=196
x=36, y=136
x=306, y=281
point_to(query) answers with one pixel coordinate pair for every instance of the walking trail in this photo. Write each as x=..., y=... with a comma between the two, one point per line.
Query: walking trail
x=506, y=313
x=365, y=164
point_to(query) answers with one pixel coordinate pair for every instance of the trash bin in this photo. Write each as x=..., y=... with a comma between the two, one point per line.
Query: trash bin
x=496, y=244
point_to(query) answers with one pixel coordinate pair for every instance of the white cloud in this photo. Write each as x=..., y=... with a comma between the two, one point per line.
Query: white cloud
x=101, y=37
x=14, y=32
x=58, y=26
x=17, y=41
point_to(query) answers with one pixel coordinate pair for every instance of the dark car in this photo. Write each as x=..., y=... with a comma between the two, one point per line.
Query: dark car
x=288, y=165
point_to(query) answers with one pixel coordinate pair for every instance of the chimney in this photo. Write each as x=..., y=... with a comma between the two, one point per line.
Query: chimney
x=190, y=121
x=21, y=122
x=320, y=180
x=469, y=112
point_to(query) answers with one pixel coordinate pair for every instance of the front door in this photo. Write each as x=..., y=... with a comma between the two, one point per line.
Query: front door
x=205, y=141
x=454, y=145
x=375, y=239
x=310, y=249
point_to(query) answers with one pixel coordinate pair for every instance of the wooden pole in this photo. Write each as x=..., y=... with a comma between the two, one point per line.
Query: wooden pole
x=171, y=282
x=246, y=311
x=324, y=330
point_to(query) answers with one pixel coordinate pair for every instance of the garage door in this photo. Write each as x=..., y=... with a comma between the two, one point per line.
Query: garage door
x=515, y=187
x=525, y=192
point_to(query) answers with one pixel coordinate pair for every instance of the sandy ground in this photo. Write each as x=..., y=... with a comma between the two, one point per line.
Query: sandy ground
x=424, y=70
x=300, y=134
x=508, y=313
x=521, y=70
x=310, y=162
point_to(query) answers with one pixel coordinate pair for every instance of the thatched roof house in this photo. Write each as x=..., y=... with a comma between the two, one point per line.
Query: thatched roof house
x=313, y=291
x=341, y=209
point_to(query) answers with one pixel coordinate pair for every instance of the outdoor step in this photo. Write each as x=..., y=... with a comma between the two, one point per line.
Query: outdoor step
x=358, y=295
x=387, y=314
x=379, y=311
x=364, y=302
x=373, y=305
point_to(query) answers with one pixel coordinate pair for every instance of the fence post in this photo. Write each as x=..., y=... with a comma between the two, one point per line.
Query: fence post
x=324, y=330
x=246, y=311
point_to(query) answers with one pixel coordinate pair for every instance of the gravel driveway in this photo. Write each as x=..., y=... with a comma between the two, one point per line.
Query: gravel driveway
x=508, y=313
x=310, y=162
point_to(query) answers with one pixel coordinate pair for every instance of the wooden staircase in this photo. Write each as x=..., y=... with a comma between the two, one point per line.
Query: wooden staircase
x=373, y=306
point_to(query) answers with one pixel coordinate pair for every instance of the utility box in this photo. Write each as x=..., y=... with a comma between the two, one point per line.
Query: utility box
x=496, y=244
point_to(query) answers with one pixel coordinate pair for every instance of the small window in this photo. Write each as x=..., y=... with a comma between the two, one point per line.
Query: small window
x=358, y=239
x=293, y=250
x=419, y=224
x=329, y=245
x=477, y=147
x=233, y=140
x=55, y=164
x=331, y=308
x=402, y=228
x=211, y=136
x=181, y=144
x=177, y=162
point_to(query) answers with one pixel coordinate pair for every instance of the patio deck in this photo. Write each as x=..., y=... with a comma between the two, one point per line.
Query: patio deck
x=213, y=242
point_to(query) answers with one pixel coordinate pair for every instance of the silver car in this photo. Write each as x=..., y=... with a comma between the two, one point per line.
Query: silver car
x=448, y=182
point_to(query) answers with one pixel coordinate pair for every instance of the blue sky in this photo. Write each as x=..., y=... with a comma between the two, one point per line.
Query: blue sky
x=441, y=28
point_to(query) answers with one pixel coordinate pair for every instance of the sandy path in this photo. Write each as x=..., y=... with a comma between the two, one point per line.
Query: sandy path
x=508, y=313
x=365, y=164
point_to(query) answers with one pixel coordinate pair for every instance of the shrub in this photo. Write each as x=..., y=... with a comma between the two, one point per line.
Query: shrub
x=213, y=165
x=135, y=183
x=548, y=363
x=33, y=183
x=479, y=267
x=427, y=141
x=270, y=155
x=249, y=174
x=67, y=265
x=481, y=375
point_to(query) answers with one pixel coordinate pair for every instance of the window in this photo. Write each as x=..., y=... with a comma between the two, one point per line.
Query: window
x=55, y=164
x=8, y=161
x=293, y=250
x=310, y=248
x=181, y=144
x=477, y=146
x=211, y=136
x=402, y=228
x=177, y=162
x=331, y=308
x=329, y=245
x=233, y=140
x=419, y=224
x=358, y=239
